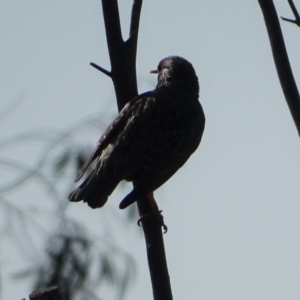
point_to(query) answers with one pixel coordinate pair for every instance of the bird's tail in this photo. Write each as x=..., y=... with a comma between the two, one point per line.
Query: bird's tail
x=132, y=197
x=94, y=190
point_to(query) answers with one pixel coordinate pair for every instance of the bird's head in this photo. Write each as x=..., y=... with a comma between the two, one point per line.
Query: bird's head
x=177, y=73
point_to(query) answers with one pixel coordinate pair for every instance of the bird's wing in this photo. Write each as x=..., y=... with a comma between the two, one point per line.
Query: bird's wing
x=168, y=149
x=165, y=151
x=113, y=130
x=174, y=140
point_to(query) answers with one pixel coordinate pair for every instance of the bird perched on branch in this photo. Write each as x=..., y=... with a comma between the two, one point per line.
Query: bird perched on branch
x=150, y=139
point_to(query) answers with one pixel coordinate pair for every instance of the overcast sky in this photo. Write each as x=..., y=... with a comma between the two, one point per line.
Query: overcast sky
x=233, y=209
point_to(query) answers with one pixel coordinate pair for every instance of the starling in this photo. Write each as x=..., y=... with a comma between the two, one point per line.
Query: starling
x=150, y=139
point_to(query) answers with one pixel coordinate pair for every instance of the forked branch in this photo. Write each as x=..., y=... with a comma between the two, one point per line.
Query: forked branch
x=295, y=12
x=123, y=74
x=281, y=60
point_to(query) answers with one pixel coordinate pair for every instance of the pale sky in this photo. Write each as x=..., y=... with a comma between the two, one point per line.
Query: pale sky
x=233, y=209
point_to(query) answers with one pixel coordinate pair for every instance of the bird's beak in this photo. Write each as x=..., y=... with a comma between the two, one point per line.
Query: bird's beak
x=155, y=71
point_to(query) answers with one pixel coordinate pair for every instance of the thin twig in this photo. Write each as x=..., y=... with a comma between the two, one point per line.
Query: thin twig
x=13, y=104
x=281, y=60
x=101, y=69
x=295, y=12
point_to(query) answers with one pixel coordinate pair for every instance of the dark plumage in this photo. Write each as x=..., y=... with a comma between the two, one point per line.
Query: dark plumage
x=150, y=139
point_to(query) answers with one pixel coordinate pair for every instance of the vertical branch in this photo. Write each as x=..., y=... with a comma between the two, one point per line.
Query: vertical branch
x=281, y=60
x=131, y=43
x=112, y=28
x=156, y=255
x=122, y=56
x=135, y=19
x=123, y=73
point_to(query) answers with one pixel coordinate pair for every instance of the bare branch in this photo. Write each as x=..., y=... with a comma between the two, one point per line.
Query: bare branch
x=281, y=60
x=122, y=55
x=135, y=17
x=101, y=69
x=112, y=27
x=123, y=73
x=295, y=12
x=156, y=255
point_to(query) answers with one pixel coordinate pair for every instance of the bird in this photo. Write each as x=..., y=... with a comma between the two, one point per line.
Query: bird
x=149, y=140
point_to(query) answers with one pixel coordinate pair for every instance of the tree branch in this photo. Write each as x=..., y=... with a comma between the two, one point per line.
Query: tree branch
x=123, y=73
x=135, y=18
x=122, y=55
x=281, y=60
x=295, y=12
x=107, y=73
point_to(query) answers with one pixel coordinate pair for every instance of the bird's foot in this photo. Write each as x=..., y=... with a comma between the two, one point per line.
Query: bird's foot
x=157, y=214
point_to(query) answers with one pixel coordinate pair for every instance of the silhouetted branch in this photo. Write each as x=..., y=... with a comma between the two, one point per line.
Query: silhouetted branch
x=295, y=12
x=123, y=73
x=122, y=55
x=281, y=59
x=101, y=69
x=135, y=18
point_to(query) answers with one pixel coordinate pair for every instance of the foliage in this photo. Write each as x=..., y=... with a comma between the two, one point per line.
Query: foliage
x=60, y=249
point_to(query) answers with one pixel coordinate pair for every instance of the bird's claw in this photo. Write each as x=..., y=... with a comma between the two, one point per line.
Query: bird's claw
x=165, y=227
x=156, y=214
